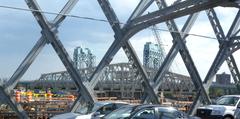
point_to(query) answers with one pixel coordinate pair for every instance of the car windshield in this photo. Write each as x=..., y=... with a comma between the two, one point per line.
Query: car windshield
x=121, y=113
x=171, y=113
x=229, y=101
x=88, y=108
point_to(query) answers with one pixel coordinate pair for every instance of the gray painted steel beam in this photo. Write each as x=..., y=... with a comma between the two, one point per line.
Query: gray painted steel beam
x=172, y=12
x=60, y=50
x=223, y=54
x=28, y=61
x=78, y=103
x=172, y=53
x=142, y=6
x=115, y=46
x=12, y=103
x=235, y=45
x=122, y=35
x=221, y=38
x=38, y=47
x=25, y=64
x=182, y=8
x=146, y=82
x=130, y=30
x=115, y=24
x=234, y=70
x=119, y=34
x=66, y=10
x=185, y=55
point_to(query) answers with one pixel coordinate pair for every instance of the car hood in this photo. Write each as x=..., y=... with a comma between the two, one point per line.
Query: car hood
x=69, y=115
x=88, y=116
x=217, y=107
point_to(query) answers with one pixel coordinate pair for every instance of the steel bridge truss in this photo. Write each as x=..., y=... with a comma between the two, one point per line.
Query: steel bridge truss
x=116, y=78
x=136, y=22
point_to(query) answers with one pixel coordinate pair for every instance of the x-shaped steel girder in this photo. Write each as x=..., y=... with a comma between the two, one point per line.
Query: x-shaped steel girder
x=48, y=31
x=233, y=47
x=140, y=22
x=49, y=36
x=179, y=46
x=115, y=24
x=222, y=55
x=135, y=23
x=142, y=6
x=127, y=47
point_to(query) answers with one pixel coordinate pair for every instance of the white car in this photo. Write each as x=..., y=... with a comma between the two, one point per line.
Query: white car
x=237, y=112
x=98, y=110
x=223, y=109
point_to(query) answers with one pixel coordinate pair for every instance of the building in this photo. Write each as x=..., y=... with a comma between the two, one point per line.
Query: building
x=83, y=58
x=153, y=55
x=223, y=78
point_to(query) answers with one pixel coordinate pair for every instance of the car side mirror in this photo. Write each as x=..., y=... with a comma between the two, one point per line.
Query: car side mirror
x=214, y=101
x=238, y=106
x=96, y=114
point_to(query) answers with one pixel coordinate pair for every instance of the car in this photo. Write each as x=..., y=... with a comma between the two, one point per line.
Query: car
x=98, y=110
x=223, y=109
x=237, y=112
x=147, y=112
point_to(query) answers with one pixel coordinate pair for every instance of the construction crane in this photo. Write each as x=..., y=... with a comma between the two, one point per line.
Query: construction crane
x=159, y=42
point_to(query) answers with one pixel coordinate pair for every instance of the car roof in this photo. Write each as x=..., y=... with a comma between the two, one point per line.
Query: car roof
x=110, y=102
x=160, y=107
x=231, y=96
x=154, y=105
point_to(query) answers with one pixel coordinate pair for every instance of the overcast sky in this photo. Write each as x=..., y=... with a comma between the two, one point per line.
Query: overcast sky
x=20, y=31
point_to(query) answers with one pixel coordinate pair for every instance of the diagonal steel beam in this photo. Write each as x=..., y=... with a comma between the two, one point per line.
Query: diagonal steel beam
x=221, y=38
x=28, y=61
x=17, y=75
x=132, y=28
x=129, y=51
x=172, y=53
x=235, y=45
x=49, y=34
x=181, y=8
x=174, y=11
x=189, y=63
x=142, y=6
x=21, y=113
x=139, y=10
x=234, y=70
x=219, y=59
x=223, y=53
x=185, y=54
x=119, y=34
x=38, y=47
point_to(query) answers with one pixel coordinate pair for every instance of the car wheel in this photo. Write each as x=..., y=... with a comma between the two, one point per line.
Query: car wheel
x=227, y=117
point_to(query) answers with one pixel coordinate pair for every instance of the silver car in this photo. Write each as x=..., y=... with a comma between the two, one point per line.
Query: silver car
x=98, y=110
x=147, y=112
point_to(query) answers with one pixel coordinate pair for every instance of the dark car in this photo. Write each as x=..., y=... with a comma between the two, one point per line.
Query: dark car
x=147, y=112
